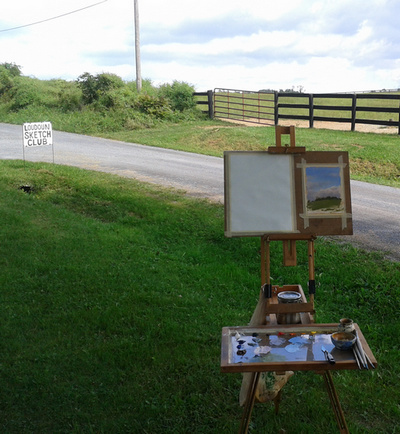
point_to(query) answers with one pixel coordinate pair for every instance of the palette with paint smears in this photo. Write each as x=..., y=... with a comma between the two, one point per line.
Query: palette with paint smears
x=291, y=347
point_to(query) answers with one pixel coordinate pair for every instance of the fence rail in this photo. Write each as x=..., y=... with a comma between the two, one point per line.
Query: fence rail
x=376, y=108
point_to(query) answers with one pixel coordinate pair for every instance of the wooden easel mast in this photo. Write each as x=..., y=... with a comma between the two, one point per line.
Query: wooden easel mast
x=289, y=242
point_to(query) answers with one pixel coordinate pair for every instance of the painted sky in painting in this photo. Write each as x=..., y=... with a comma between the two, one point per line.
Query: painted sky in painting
x=323, y=182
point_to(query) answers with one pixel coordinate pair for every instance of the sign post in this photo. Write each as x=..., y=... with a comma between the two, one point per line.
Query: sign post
x=37, y=134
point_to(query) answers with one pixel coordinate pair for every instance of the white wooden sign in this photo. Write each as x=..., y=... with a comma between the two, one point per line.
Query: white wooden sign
x=37, y=134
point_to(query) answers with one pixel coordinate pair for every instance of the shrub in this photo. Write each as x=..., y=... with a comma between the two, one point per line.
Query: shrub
x=107, y=81
x=13, y=69
x=179, y=94
x=96, y=88
x=120, y=98
x=70, y=97
x=6, y=81
x=138, y=121
x=94, y=103
x=148, y=87
x=87, y=83
x=24, y=93
x=153, y=105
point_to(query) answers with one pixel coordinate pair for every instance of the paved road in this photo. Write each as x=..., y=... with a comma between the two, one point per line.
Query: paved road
x=376, y=209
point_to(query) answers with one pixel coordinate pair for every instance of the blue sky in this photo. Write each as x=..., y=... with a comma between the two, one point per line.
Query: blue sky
x=320, y=45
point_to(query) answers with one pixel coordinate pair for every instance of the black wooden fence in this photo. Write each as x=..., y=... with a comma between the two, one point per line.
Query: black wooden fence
x=206, y=98
x=374, y=108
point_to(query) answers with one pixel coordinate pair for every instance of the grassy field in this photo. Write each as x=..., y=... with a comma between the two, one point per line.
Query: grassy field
x=113, y=296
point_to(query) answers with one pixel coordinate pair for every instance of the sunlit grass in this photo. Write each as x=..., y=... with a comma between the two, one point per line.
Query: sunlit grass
x=113, y=297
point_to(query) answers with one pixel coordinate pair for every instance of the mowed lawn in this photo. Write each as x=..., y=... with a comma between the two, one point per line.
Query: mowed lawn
x=113, y=297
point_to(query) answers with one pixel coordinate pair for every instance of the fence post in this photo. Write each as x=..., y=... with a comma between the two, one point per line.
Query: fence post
x=399, y=120
x=353, y=111
x=276, y=108
x=311, y=109
x=210, y=100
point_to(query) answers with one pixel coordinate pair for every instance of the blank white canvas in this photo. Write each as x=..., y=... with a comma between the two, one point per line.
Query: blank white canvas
x=259, y=193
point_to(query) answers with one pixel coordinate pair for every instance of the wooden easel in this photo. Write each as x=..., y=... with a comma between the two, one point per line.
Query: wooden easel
x=268, y=307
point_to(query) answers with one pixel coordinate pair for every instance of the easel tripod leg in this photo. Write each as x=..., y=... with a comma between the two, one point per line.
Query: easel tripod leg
x=337, y=409
x=277, y=401
x=249, y=404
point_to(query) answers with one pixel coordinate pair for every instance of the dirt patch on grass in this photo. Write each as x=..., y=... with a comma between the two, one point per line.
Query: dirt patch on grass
x=363, y=128
x=386, y=170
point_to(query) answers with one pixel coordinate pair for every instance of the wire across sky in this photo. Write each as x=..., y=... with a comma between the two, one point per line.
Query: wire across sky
x=53, y=18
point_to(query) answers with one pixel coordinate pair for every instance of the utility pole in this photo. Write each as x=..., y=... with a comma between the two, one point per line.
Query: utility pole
x=137, y=47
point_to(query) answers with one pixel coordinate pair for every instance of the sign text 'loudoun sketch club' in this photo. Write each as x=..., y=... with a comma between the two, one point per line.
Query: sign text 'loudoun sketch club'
x=37, y=134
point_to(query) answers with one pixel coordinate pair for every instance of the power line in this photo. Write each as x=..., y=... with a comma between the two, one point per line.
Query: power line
x=53, y=18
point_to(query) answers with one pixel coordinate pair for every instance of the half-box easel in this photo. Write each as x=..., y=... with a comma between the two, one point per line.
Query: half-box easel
x=285, y=194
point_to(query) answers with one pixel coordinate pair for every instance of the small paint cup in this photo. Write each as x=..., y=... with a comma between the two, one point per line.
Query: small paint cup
x=289, y=297
x=346, y=325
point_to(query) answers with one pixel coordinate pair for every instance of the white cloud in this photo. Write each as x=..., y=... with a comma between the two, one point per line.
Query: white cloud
x=323, y=46
x=313, y=194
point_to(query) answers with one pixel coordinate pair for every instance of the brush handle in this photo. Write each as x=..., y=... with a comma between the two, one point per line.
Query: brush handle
x=356, y=357
x=328, y=356
x=361, y=351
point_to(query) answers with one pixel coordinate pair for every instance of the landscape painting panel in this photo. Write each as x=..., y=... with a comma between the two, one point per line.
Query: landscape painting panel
x=323, y=190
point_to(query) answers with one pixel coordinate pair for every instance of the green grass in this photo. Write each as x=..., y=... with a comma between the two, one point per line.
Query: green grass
x=331, y=204
x=113, y=296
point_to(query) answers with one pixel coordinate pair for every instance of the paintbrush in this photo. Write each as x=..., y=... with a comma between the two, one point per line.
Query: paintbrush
x=361, y=351
x=356, y=357
x=369, y=360
x=360, y=359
